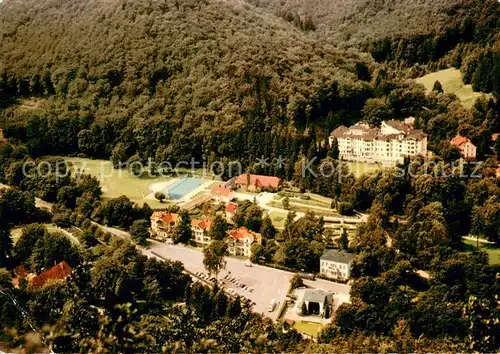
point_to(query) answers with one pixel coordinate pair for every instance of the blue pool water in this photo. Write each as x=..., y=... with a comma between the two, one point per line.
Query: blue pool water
x=183, y=187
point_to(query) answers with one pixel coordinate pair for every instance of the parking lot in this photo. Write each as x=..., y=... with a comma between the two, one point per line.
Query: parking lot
x=266, y=283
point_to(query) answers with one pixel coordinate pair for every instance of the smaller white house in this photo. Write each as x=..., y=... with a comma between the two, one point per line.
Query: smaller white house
x=336, y=264
x=240, y=241
x=163, y=225
x=201, y=229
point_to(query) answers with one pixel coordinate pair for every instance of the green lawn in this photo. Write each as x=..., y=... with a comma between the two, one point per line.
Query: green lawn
x=310, y=202
x=451, y=80
x=301, y=207
x=278, y=219
x=116, y=183
x=310, y=328
x=492, y=250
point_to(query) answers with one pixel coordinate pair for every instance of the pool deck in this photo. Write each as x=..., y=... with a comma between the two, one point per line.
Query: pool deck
x=189, y=196
x=162, y=186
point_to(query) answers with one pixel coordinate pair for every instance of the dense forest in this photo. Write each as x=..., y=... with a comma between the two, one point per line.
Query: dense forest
x=352, y=22
x=135, y=73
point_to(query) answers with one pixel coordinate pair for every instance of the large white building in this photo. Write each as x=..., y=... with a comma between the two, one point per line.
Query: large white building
x=336, y=265
x=388, y=144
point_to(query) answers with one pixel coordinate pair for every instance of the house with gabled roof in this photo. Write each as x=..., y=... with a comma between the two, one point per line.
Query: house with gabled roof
x=231, y=209
x=222, y=194
x=257, y=183
x=163, y=225
x=240, y=241
x=58, y=272
x=201, y=229
x=466, y=147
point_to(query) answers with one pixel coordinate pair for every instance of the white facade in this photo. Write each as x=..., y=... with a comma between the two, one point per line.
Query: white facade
x=336, y=265
x=335, y=270
x=388, y=144
x=199, y=236
x=163, y=225
x=240, y=242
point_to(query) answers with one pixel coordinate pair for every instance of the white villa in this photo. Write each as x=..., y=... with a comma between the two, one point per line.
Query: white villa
x=200, y=229
x=163, y=225
x=336, y=265
x=388, y=144
x=240, y=241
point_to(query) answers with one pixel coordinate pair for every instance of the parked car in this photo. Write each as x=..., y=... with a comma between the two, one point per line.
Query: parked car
x=272, y=305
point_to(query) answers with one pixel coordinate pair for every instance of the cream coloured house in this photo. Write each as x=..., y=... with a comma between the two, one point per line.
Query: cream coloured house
x=388, y=144
x=240, y=241
x=163, y=225
x=466, y=147
x=201, y=229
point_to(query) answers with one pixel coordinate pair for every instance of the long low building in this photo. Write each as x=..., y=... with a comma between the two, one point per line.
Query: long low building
x=388, y=144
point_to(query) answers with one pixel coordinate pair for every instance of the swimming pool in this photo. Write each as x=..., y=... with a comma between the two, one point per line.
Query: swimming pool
x=183, y=187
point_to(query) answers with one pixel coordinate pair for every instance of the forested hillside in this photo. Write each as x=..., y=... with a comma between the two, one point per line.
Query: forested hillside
x=169, y=79
x=355, y=21
x=470, y=42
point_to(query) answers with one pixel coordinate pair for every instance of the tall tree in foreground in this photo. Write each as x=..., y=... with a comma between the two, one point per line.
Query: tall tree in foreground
x=437, y=87
x=219, y=228
x=344, y=240
x=334, y=151
x=183, y=232
x=140, y=231
x=214, y=257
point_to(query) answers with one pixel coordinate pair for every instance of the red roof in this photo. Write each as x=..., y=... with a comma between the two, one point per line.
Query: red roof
x=202, y=224
x=243, y=232
x=259, y=181
x=459, y=140
x=165, y=217
x=231, y=207
x=58, y=272
x=222, y=191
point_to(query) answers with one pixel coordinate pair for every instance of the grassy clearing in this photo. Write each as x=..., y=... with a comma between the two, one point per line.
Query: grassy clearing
x=278, y=219
x=319, y=198
x=310, y=328
x=451, y=80
x=116, y=183
x=303, y=208
x=309, y=203
x=492, y=250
